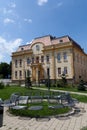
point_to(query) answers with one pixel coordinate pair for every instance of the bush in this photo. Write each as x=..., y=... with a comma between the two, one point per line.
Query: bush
x=64, y=80
x=81, y=86
x=7, y=85
x=61, y=83
x=53, y=85
x=1, y=85
x=48, y=84
x=28, y=82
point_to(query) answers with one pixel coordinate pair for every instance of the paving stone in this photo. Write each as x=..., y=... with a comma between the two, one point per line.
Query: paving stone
x=73, y=122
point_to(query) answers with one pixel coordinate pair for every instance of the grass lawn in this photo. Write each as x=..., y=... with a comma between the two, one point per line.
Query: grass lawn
x=67, y=88
x=7, y=91
x=80, y=98
x=45, y=111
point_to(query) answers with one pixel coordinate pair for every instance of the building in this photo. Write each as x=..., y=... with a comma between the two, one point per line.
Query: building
x=49, y=57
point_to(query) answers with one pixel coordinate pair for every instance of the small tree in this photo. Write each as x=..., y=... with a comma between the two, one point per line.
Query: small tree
x=1, y=85
x=81, y=85
x=64, y=80
x=28, y=82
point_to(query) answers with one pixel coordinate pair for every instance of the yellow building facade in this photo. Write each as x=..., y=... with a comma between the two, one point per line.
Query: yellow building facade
x=49, y=56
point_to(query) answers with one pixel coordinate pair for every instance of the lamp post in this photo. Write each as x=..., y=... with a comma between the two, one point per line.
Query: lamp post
x=39, y=78
x=48, y=74
x=25, y=77
x=48, y=82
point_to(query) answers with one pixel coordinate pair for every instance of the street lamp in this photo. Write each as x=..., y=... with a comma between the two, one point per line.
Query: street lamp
x=39, y=78
x=48, y=74
x=25, y=77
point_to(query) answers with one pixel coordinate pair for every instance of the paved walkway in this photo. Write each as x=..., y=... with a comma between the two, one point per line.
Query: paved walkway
x=74, y=122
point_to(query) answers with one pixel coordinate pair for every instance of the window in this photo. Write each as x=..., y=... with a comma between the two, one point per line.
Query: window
x=28, y=73
x=20, y=62
x=37, y=59
x=28, y=61
x=32, y=59
x=60, y=40
x=47, y=58
x=16, y=63
x=59, y=71
x=22, y=49
x=65, y=56
x=37, y=47
x=16, y=74
x=42, y=58
x=65, y=70
x=20, y=73
x=25, y=73
x=58, y=57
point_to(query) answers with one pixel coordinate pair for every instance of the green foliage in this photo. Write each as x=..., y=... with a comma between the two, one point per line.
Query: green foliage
x=7, y=91
x=7, y=85
x=81, y=86
x=62, y=82
x=28, y=83
x=5, y=70
x=1, y=85
x=40, y=113
x=48, y=83
x=53, y=85
x=59, y=83
x=80, y=98
x=1, y=76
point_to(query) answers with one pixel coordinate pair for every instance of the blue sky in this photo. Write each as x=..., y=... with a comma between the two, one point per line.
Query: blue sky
x=23, y=20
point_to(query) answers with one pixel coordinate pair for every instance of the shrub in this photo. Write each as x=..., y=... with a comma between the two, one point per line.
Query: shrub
x=7, y=85
x=64, y=80
x=28, y=82
x=53, y=85
x=48, y=84
x=1, y=85
x=61, y=83
x=81, y=86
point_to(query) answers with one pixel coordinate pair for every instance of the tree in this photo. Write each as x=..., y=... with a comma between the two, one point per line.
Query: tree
x=64, y=80
x=81, y=85
x=28, y=82
x=5, y=70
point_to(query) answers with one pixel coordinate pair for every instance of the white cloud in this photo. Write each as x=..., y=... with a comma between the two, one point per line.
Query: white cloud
x=7, y=11
x=7, y=47
x=7, y=20
x=42, y=2
x=12, y=5
x=28, y=20
x=29, y=42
